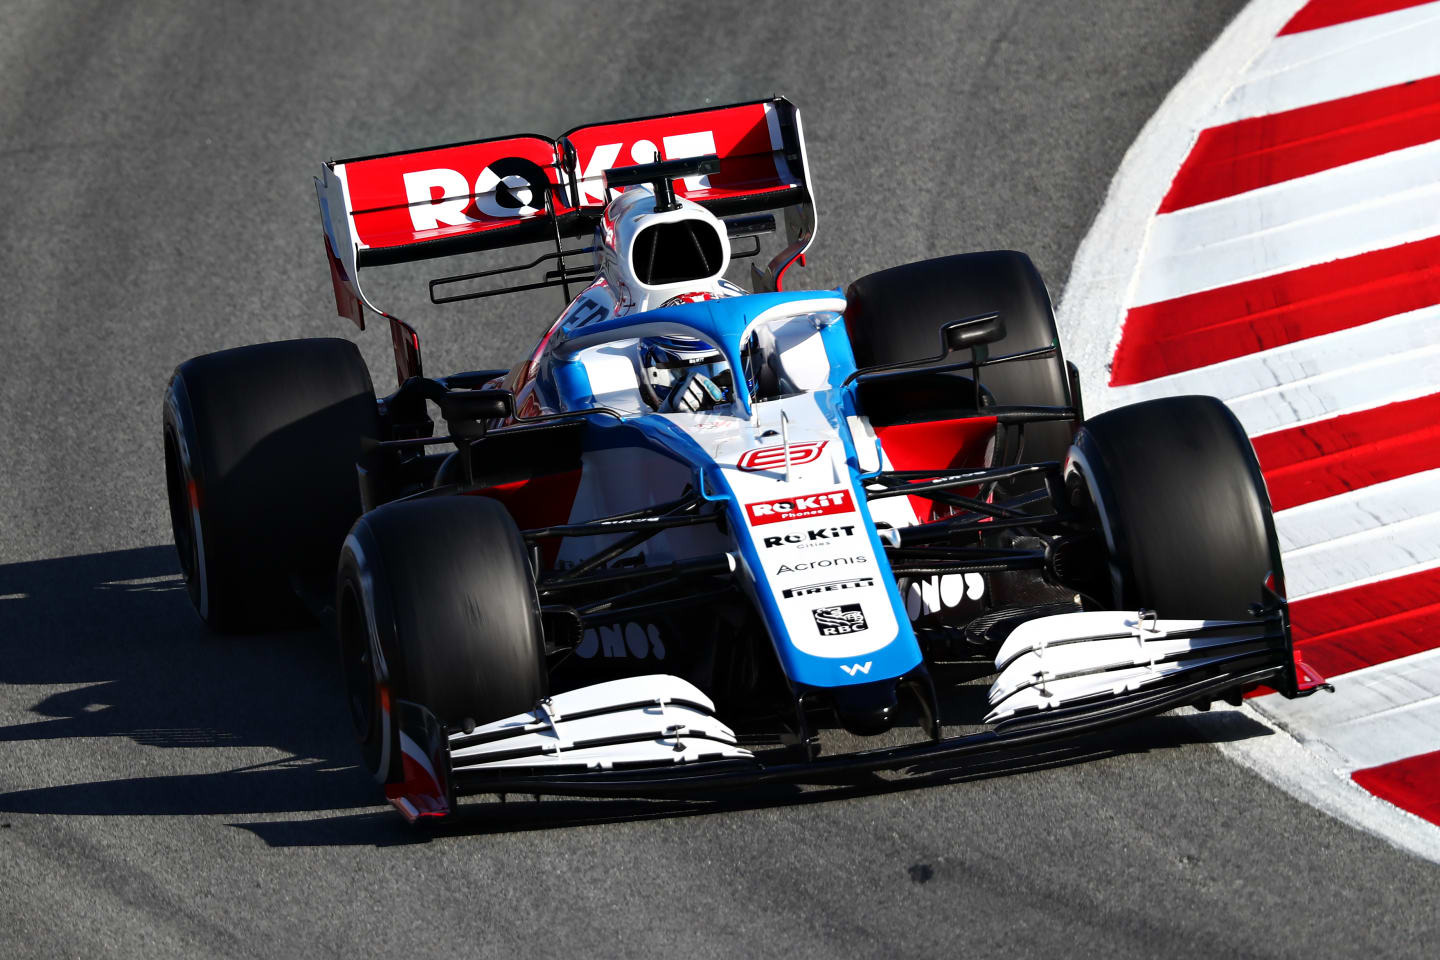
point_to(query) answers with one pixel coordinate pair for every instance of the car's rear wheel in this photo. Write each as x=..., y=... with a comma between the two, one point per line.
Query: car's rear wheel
x=436, y=605
x=895, y=316
x=260, y=445
x=1178, y=495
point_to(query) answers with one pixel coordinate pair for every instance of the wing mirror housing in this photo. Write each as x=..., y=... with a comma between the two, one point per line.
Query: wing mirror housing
x=466, y=411
x=972, y=332
x=968, y=333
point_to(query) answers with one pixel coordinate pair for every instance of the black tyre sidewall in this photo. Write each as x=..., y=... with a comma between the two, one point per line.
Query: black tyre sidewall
x=267, y=437
x=450, y=613
x=895, y=315
x=1182, y=502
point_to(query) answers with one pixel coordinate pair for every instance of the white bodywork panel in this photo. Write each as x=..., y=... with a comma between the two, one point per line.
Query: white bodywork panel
x=804, y=522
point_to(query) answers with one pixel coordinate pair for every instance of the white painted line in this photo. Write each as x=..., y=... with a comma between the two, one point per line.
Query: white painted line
x=1308, y=773
x=1253, y=374
x=1318, y=65
x=1359, y=511
x=1367, y=205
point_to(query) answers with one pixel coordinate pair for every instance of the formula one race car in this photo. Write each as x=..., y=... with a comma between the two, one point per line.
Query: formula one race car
x=698, y=528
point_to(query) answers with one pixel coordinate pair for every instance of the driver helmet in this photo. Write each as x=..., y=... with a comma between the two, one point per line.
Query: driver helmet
x=696, y=369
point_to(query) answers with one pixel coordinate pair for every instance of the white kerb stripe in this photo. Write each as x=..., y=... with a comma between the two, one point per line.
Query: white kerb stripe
x=1378, y=715
x=1358, y=387
x=1301, y=69
x=1383, y=551
x=1340, y=194
x=1260, y=242
x=1358, y=511
x=1294, y=363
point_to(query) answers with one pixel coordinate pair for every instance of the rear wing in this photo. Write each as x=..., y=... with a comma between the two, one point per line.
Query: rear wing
x=488, y=194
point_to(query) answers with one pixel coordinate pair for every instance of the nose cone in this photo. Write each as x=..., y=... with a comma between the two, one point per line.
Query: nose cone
x=867, y=709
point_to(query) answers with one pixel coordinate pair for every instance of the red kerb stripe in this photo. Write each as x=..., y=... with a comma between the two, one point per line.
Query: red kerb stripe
x=1214, y=325
x=1411, y=784
x=1354, y=450
x=1327, y=13
x=1256, y=152
x=1369, y=624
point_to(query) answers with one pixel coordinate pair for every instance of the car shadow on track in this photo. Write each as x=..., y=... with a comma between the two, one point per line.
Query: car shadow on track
x=110, y=642
x=106, y=645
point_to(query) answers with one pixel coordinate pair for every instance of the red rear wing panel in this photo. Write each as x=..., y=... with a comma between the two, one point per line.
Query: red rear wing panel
x=749, y=138
x=409, y=204
x=486, y=194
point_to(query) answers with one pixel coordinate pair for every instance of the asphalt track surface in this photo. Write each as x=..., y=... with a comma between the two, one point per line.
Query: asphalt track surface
x=166, y=793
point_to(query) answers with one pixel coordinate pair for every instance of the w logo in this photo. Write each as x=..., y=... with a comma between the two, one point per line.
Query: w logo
x=854, y=668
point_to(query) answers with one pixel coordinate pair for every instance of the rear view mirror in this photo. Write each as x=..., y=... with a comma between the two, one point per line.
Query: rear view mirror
x=465, y=411
x=972, y=332
x=968, y=333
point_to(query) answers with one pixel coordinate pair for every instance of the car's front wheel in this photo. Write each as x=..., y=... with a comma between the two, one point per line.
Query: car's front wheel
x=436, y=605
x=1177, y=493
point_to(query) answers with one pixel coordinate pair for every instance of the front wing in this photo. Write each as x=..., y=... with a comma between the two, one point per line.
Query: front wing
x=657, y=735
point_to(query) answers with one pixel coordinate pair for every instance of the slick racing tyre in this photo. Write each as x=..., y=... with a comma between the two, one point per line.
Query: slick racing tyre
x=895, y=316
x=436, y=605
x=260, y=451
x=1180, y=500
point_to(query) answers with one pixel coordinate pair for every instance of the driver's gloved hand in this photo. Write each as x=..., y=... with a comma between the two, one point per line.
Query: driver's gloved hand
x=697, y=392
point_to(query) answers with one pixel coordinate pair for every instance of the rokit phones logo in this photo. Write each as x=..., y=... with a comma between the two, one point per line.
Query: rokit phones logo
x=840, y=619
x=776, y=458
x=799, y=508
x=819, y=537
x=831, y=587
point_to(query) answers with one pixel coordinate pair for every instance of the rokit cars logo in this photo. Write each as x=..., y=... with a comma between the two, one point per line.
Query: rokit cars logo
x=799, y=508
x=839, y=620
x=819, y=537
x=830, y=587
x=821, y=564
x=774, y=458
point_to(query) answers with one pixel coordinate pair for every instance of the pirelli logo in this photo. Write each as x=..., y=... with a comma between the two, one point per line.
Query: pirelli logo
x=831, y=587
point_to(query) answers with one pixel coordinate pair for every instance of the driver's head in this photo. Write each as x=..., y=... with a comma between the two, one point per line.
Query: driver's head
x=686, y=373
x=669, y=364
